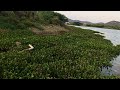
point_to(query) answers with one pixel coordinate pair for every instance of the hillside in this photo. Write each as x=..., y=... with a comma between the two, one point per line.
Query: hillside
x=25, y=19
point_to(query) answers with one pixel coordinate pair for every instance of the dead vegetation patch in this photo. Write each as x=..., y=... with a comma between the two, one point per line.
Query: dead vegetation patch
x=50, y=30
x=2, y=30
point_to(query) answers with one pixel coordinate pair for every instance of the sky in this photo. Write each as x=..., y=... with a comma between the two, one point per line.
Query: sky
x=92, y=16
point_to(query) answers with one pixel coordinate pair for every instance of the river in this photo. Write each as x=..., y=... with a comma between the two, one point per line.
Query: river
x=114, y=36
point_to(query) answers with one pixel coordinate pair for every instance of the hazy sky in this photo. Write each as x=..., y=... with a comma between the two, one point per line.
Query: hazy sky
x=92, y=16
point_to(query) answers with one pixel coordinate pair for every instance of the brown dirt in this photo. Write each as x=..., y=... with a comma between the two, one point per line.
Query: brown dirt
x=3, y=30
x=50, y=30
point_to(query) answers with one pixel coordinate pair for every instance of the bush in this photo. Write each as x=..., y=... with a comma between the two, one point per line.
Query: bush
x=49, y=17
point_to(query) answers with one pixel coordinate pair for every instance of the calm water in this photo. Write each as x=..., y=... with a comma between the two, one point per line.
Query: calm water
x=114, y=36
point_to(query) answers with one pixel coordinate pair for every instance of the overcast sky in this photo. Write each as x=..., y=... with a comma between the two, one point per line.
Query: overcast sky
x=92, y=16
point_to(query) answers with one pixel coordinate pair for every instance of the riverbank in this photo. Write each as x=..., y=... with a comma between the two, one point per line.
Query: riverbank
x=76, y=54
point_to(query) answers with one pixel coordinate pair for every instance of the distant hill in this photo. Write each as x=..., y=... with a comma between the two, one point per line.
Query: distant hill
x=100, y=23
x=70, y=20
x=113, y=23
x=87, y=22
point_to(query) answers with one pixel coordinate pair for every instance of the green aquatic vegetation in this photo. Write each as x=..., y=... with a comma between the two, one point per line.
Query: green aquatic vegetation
x=77, y=54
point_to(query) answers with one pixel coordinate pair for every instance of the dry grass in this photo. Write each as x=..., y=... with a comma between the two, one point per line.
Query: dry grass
x=3, y=30
x=50, y=30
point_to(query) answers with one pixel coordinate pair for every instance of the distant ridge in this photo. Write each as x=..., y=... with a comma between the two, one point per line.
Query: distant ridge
x=113, y=23
x=70, y=20
x=110, y=23
x=87, y=22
